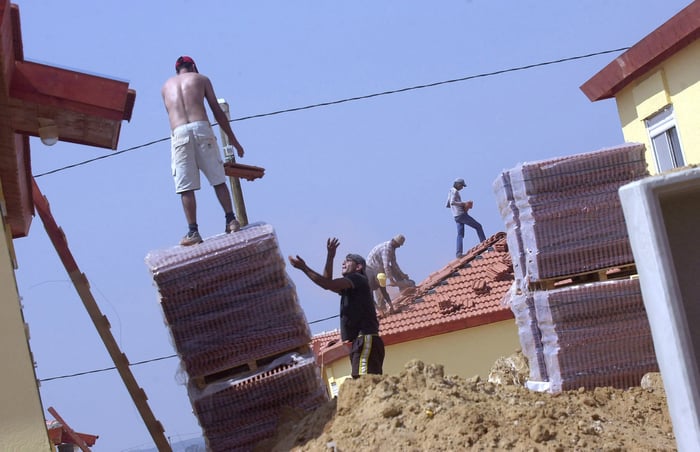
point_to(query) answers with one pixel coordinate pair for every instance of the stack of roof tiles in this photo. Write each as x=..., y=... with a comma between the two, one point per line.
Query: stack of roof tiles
x=240, y=412
x=228, y=302
x=563, y=217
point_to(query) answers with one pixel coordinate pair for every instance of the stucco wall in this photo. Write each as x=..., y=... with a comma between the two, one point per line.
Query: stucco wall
x=22, y=424
x=676, y=80
x=465, y=353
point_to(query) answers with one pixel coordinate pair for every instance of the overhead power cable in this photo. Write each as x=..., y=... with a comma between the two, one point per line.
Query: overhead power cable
x=352, y=99
x=138, y=363
x=307, y=107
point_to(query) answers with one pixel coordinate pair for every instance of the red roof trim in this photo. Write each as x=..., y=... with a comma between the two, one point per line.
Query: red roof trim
x=333, y=353
x=677, y=33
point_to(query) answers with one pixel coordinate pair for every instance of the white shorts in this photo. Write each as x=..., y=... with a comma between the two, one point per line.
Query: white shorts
x=193, y=147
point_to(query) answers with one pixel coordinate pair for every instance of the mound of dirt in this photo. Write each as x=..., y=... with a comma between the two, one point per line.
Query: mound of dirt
x=422, y=409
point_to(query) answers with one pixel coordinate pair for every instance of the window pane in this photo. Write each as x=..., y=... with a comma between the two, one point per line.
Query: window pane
x=662, y=151
x=676, y=147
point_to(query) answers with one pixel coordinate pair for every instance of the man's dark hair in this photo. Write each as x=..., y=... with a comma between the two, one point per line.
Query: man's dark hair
x=356, y=258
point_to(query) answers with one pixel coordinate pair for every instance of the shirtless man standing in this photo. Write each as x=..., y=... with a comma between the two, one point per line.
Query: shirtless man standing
x=193, y=143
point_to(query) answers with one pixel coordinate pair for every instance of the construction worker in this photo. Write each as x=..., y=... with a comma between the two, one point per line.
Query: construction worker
x=193, y=143
x=459, y=211
x=359, y=327
x=382, y=260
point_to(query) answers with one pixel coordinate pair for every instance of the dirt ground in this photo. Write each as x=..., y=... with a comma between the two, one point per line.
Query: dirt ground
x=421, y=409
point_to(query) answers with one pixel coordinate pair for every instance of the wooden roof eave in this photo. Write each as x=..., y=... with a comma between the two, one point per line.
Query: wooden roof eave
x=86, y=108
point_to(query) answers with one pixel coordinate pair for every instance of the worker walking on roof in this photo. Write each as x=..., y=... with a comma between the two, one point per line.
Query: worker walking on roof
x=459, y=211
x=359, y=327
x=193, y=143
x=382, y=260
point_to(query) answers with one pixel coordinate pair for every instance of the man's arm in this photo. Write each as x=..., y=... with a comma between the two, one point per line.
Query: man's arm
x=387, y=298
x=220, y=116
x=390, y=267
x=336, y=285
x=396, y=270
x=456, y=200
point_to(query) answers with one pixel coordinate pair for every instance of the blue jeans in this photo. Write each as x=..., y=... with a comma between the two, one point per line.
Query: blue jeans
x=461, y=220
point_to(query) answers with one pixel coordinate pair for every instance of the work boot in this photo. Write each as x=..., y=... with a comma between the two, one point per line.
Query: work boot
x=192, y=238
x=233, y=226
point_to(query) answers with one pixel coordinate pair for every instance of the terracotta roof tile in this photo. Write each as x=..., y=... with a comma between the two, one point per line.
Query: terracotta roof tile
x=467, y=292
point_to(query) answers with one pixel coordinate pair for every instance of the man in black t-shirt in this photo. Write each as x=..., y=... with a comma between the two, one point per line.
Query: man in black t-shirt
x=359, y=327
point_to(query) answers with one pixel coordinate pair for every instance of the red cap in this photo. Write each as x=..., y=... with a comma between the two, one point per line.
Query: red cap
x=185, y=60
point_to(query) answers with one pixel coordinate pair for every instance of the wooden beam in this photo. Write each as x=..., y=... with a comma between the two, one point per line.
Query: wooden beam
x=7, y=38
x=81, y=284
x=77, y=440
x=15, y=173
x=73, y=127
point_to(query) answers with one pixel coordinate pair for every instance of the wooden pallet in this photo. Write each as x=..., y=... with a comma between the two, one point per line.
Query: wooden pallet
x=249, y=366
x=603, y=274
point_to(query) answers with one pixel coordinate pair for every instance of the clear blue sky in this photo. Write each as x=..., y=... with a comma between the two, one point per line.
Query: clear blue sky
x=362, y=171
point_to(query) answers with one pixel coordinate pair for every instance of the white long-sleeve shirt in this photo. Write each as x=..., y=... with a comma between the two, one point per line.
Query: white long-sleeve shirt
x=382, y=259
x=454, y=202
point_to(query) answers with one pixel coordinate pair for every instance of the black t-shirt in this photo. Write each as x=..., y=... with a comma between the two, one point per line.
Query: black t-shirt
x=357, y=314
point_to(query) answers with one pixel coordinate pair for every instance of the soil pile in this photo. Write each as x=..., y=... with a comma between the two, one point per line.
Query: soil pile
x=422, y=409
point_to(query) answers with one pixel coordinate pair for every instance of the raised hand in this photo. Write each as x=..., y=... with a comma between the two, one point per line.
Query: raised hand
x=297, y=262
x=332, y=245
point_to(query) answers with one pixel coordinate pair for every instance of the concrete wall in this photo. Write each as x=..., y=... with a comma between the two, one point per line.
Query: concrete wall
x=675, y=81
x=662, y=217
x=22, y=424
x=465, y=353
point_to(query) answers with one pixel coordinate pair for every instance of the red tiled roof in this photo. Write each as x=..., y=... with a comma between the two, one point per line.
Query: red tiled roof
x=669, y=38
x=465, y=293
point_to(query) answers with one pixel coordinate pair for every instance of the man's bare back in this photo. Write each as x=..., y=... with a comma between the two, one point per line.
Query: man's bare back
x=184, y=95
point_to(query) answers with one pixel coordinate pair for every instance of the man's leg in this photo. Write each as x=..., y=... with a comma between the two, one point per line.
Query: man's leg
x=460, y=236
x=224, y=198
x=471, y=222
x=387, y=298
x=376, y=357
x=367, y=355
x=378, y=300
x=189, y=205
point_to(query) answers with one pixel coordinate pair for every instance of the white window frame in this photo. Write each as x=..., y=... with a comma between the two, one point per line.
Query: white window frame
x=662, y=125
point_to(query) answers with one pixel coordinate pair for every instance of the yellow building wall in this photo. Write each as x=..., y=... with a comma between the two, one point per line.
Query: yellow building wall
x=22, y=424
x=465, y=353
x=675, y=81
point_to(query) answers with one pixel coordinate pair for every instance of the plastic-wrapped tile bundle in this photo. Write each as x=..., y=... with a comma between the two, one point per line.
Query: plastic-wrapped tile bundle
x=595, y=334
x=523, y=307
x=238, y=413
x=511, y=216
x=228, y=300
x=563, y=216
